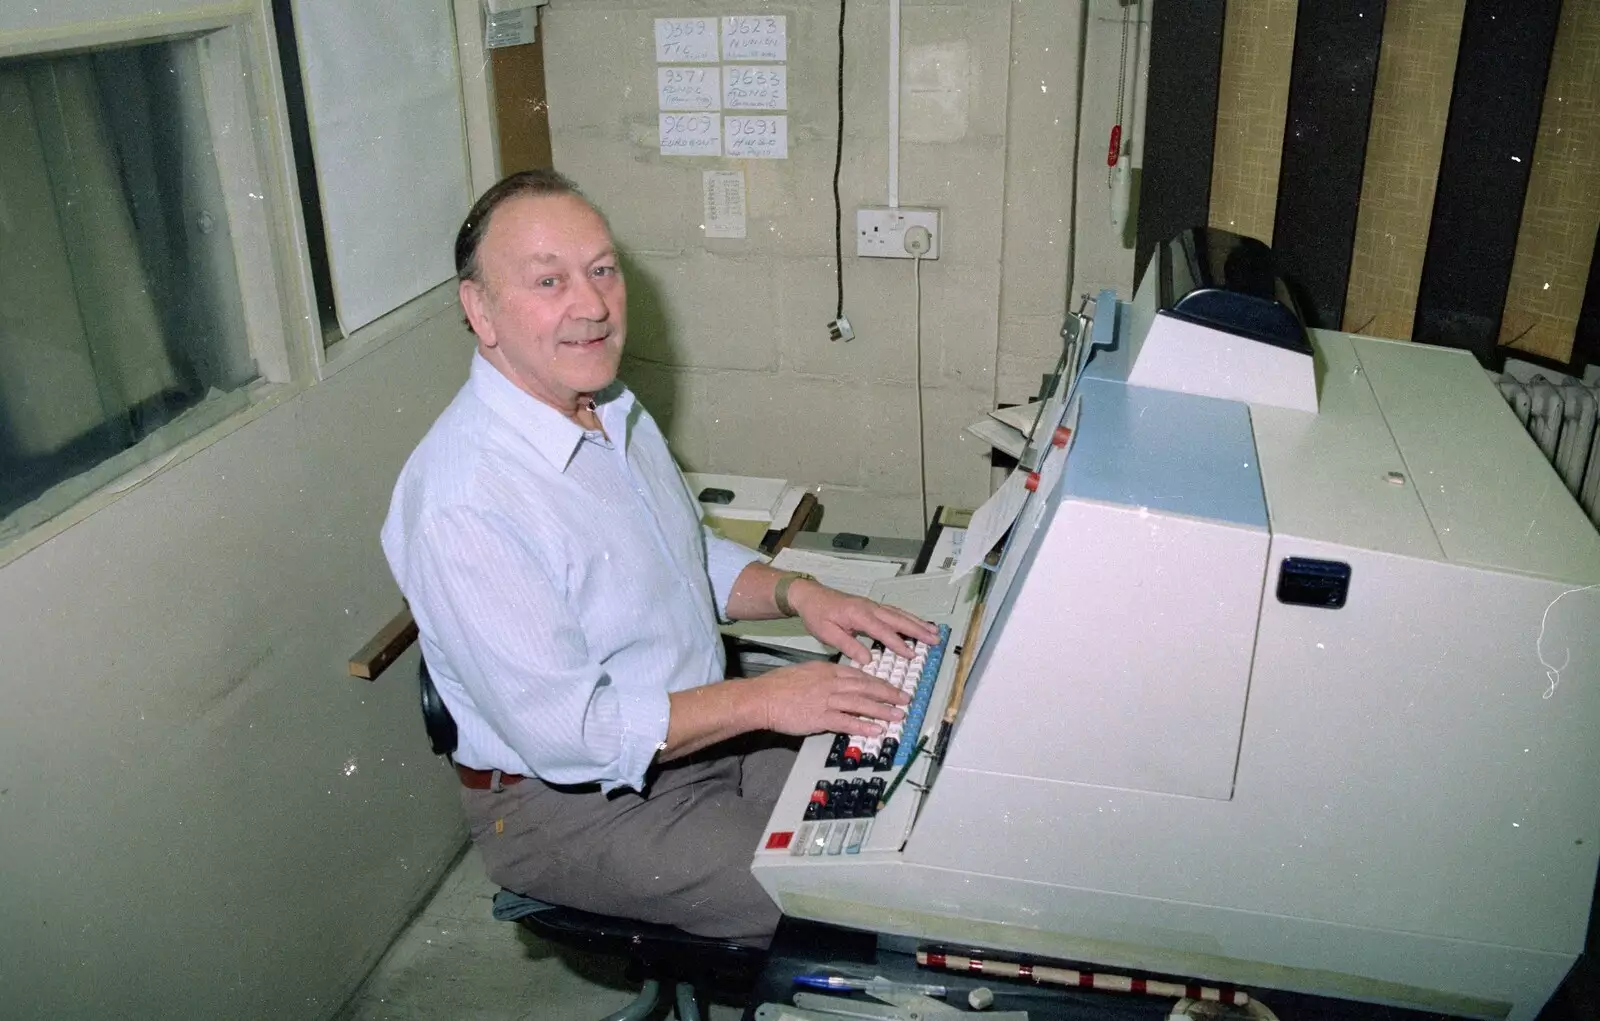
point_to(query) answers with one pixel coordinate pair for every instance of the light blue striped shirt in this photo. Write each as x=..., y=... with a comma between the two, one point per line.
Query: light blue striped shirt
x=563, y=582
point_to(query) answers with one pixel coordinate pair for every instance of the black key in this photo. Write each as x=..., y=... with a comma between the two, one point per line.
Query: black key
x=840, y=743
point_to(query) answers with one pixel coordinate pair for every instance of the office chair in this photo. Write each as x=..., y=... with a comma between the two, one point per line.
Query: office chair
x=658, y=955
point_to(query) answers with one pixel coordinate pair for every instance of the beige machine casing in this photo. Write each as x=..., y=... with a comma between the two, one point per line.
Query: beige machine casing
x=1160, y=765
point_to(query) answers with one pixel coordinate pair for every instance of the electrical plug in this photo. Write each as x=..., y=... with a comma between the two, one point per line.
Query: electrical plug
x=919, y=241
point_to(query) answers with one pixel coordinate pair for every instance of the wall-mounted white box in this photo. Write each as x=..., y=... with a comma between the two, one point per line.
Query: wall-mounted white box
x=881, y=231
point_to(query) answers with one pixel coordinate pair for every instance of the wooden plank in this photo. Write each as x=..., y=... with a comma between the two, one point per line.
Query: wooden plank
x=522, y=115
x=797, y=523
x=1410, y=106
x=385, y=647
x=1561, y=213
x=1252, y=109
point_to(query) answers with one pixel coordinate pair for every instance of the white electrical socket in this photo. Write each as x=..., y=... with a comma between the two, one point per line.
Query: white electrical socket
x=881, y=231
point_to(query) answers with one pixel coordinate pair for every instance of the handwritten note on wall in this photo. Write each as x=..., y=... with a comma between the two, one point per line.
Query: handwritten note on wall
x=751, y=51
x=757, y=138
x=689, y=88
x=755, y=87
x=686, y=40
x=691, y=134
x=758, y=37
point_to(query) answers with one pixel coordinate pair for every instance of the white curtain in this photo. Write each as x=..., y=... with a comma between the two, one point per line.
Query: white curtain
x=81, y=341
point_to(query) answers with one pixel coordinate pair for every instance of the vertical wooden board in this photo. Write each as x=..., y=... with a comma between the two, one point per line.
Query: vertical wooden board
x=522, y=115
x=1257, y=48
x=1410, y=104
x=1561, y=213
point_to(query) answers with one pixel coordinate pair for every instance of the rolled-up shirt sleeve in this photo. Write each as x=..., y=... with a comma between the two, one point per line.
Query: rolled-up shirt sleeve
x=724, y=560
x=499, y=610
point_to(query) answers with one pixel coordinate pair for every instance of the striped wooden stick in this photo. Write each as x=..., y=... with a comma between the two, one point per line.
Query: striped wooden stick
x=1081, y=979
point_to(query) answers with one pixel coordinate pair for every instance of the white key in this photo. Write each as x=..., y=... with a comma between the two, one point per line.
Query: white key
x=819, y=839
x=802, y=839
x=858, y=835
x=841, y=829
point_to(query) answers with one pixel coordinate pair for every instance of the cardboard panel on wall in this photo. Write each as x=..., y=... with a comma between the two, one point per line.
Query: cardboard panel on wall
x=383, y=95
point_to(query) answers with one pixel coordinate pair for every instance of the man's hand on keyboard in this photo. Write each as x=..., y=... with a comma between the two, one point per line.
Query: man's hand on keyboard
x=835, y=618
x=814, y=697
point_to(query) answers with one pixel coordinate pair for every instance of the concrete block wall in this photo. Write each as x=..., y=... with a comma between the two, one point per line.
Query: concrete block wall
x=727, y=342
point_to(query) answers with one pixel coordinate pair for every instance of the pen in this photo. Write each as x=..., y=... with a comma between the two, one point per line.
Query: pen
x=867, y=985
x=895, y=783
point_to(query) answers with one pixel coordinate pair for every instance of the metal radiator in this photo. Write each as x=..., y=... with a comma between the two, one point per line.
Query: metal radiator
x=1560, y=414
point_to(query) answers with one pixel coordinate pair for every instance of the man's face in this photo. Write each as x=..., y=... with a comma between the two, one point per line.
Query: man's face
x=550, y=307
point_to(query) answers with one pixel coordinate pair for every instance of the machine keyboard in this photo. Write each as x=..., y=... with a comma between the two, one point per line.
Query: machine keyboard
x=915, y=677
x=841, y=806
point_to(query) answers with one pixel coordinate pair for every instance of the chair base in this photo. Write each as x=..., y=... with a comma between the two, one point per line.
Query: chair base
x=661, y=954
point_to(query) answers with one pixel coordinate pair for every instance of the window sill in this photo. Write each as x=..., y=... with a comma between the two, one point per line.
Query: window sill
x=179, y=440
x=342, y=354
x=237, y=409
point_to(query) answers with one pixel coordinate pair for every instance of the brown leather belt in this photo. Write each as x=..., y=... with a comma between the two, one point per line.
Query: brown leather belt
x=483, y=779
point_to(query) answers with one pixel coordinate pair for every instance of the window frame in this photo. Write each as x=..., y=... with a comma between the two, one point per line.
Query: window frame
x=241, y=84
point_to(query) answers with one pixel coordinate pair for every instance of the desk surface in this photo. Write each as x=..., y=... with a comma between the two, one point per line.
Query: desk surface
x=800, y=947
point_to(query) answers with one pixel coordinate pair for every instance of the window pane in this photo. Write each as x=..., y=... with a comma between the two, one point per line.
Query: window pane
x=120, y=316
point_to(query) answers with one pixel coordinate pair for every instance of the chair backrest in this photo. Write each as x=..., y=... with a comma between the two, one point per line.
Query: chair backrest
x=436, y=718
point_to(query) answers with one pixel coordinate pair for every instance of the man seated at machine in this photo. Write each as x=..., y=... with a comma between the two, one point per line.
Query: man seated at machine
x=568, y=595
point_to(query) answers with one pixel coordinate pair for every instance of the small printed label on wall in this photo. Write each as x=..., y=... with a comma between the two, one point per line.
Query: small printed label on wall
x=691, y=134
x=516, y=27
x=757, y=138
x=755, y=37
x=686, y=40
x=755, y=87
x=724, y=203
x=689, y=88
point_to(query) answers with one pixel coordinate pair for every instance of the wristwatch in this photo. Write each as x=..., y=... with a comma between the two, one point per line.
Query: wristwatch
x=780, y=592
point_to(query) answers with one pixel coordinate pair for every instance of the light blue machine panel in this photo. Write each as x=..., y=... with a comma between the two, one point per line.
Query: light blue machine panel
x=1173, y=452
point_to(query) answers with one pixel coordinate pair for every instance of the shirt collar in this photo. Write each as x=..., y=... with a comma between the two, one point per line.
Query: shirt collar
x=552, y=434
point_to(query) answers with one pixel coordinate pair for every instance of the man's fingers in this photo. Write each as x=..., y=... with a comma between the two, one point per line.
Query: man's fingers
x=891, y=637
x=871, y=692
x=857, y=682
x=844, y=723
x=847, y=643
x=909, y=624
x=871, y=708
x=899, y=625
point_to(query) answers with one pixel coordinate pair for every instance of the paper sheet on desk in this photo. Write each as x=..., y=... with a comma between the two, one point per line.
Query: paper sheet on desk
x=989, y=523
x=1000, y=436
x=787, y=633
x=1021, y=417
x=847, y=574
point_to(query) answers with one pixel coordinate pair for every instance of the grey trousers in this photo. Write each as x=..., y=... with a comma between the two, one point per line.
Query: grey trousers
x=679, y=853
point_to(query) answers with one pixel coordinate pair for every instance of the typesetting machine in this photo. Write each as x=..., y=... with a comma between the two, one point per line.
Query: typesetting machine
x=1288, y=675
